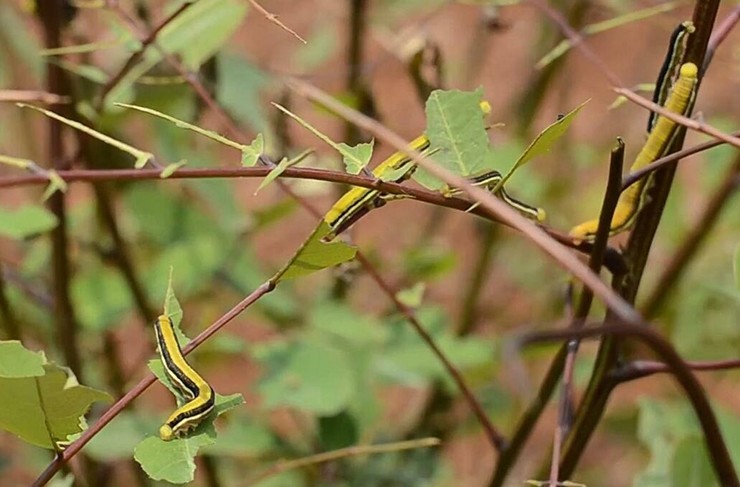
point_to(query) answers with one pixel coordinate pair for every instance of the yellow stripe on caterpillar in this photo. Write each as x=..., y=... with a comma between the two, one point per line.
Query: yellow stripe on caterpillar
x=193, y=388
x=659, y=141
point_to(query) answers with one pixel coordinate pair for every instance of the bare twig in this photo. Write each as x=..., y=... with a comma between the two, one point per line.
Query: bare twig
x=32, y=96
x=352, y=451
x=273, y=18
x=719, y=455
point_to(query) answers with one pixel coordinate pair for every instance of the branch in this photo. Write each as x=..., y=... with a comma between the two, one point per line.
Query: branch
x=719, y=455
x=147, y=381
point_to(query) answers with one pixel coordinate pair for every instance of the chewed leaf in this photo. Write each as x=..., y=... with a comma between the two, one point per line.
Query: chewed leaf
x=315, y=255
x=174, y=461
x=17, y=361
x=47, y=409
x=357, y=157
x=26, y=221
x=252, y=152
x=353, y=156
x=456, y=131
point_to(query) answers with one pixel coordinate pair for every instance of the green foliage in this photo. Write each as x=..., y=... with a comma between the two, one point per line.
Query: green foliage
x=678, y=454
x=312, y=375
x=315, y=255
x=40, y=402
x=101, y=298
x=355, y=158
x=456, y=130
x=26, y=221
x=17, y=362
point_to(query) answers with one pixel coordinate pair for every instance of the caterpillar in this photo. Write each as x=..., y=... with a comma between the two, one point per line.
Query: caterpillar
x=198, y=393
x=489, y=181
x=358, y=201
x=679, y=100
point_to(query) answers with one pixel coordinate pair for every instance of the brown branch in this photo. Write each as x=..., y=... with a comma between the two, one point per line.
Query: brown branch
x=719, y=455
x=535, y=234
x=679, y=119
x=51, y=17
x=147, y=381
x=273, y=18
x=494, y=437
x=17, y=96
x=638, y=369
x=613, y=258
x=635, y=176
x=146, y=41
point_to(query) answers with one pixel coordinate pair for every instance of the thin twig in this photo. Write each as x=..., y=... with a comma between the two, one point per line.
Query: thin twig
x=687, y=122
x=32, y=96
x=719, y=455
x=136, y=56
x=352, y=451
x=638, y=369
x=534, y=233
x=273, y=18
x=147, y=381
x=635, y=176
x=494, y=437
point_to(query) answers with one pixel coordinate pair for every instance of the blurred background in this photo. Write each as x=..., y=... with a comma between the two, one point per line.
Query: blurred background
x=325, y=361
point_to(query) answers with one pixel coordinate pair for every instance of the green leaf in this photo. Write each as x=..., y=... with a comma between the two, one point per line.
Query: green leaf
x=243, y=437
x=187, y=126
x=542, y=143
x=172, y=307
x=239, y=87
x=410, y=361
x=252, y=152
x=45, y=410
x=360, y=156
x=457, y=133
x=119, y=438
x=310, y=375
x=142, y=157
x=284, y=164
x=101, y=297
x=337, y=431
x=174, y=460
x=412, y=296
x=16, y=361
x=660, y=427
x=56, y=183
x=353, y=157
x=691, y=466
x=196, y=261
x=26, y=221
x=201, y=31
x=315, y=255
x=337, y=319
x=736, y=267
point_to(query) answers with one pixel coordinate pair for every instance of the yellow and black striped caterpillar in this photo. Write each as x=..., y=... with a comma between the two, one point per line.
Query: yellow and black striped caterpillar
x=659, y=141
x=193, y=388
